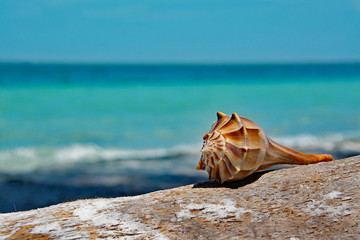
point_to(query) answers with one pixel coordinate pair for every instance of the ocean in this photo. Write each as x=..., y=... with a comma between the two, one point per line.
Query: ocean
x=73, y=131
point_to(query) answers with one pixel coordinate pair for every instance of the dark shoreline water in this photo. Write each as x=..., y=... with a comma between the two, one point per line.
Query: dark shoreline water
x=18, y=194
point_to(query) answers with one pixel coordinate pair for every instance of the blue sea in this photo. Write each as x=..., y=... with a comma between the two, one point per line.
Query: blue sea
x=72, y=131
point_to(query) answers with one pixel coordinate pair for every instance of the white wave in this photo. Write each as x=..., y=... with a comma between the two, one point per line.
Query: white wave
x=330, y=143
x=79, y=152
x=22, y=160
x=33, y=159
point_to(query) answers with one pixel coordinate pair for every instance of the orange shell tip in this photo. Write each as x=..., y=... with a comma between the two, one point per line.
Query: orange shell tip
x=220, y=115
x=200, y=166
x=206, y=136
x=235, y=117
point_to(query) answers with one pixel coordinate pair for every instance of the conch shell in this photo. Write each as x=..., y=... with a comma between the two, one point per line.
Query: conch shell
x=236, y=147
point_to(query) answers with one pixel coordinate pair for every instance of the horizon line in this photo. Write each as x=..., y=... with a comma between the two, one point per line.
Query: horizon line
x=84, y=62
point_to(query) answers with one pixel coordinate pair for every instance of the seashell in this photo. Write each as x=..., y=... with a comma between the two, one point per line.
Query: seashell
x=236, y=147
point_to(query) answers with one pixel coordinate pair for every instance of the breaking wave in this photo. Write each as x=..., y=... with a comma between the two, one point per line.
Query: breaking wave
x=333, y=143
x=32, y=159
x=29, y=159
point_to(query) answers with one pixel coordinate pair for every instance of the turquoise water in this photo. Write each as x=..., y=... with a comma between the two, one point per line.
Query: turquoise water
x=96, y=127
x=163, y=115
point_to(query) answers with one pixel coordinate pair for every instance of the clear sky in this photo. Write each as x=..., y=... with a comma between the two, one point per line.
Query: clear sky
x=180, y=30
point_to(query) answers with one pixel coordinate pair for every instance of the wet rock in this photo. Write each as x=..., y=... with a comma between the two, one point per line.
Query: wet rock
x=319, y=201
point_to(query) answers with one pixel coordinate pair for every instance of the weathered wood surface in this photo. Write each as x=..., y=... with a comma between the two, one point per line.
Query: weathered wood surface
x=319, y=201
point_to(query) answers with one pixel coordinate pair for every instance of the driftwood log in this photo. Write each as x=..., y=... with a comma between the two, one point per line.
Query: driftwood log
x=319, y=201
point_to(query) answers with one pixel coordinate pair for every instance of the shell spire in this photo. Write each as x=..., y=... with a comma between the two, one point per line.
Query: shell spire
x=236, y=147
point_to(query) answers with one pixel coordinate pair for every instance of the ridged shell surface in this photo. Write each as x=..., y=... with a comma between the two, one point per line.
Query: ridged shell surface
x=235, y=147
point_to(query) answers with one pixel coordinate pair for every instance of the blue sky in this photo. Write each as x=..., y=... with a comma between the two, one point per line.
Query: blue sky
x=180, y=30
